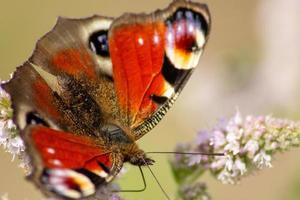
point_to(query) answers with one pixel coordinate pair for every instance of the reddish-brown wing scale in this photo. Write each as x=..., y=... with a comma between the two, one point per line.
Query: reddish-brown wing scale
x=43, y=98
x=74, y=62
x=66, y=150
x=74, y=166
x=137, y=56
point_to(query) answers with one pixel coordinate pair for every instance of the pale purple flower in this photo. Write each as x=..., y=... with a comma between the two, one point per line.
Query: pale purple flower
x=106, y=192
x=225, y=177
x=251, y=147
x=3, y=134
x=248, y=143
x=194, y=159
x=240, y=166
x=15, y=146
x=232, y=147
x=217, y=139
x=203, y=137
x=218, y=163
x=262, y=160
x=195, y=191
x=9, y=139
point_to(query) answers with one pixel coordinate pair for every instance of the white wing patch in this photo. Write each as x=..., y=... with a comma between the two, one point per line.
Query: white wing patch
x=68, y=183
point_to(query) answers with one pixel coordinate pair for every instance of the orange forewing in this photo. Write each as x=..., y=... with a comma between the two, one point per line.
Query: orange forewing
x=74, y=62
x=137, y=52
x=43, y=97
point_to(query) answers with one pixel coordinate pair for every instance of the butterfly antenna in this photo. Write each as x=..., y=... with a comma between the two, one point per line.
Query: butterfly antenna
x=162, y=189
x=186, y=153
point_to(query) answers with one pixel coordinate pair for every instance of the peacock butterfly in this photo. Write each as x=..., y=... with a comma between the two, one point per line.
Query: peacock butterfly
x=94, y=86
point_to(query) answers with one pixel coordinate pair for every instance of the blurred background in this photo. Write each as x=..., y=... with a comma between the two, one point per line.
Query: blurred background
x=252, y=62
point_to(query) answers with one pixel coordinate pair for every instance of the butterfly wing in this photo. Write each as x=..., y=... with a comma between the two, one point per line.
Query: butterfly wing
x=58, y=117
x=153, y=56
x=68, y=165
x=76, y=54
x=73, y=66
x=129, y=81
x=69, y=48
x=33, y=101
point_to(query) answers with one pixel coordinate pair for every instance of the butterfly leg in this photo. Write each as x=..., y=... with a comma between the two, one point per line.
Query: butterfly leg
x=139, y=190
